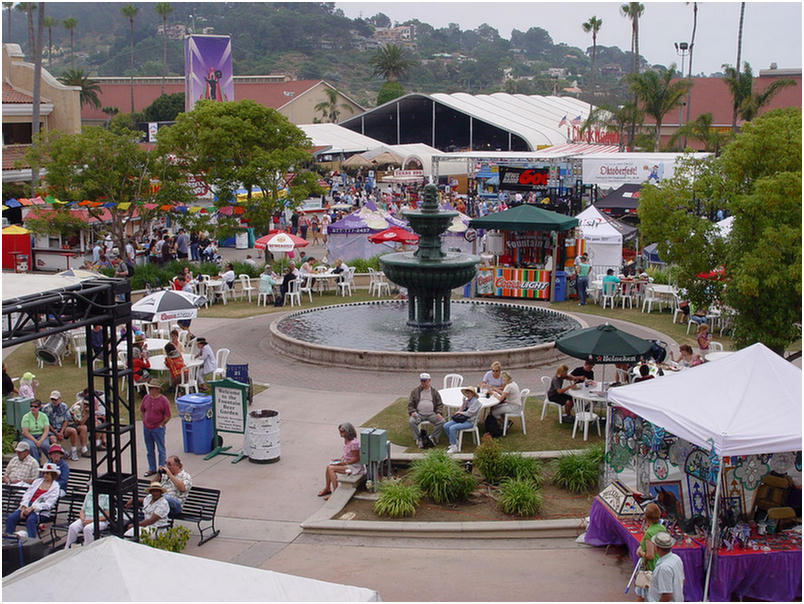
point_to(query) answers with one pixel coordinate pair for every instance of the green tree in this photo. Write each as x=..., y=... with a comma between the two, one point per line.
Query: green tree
x=737, y=64
x=391, y=62
x=165, y=108
x=701, y=129
x=330, y=110
x=101, y=165
x=70, y=23
x=593, y=26
x=381, y=20
x=658, y=94
x=129, y=11
x=37, y=86
x=163, y=9
x=89, y=88
x=110, y=113
x=50, y=23
x=8, y=6
x=623, y=118
x=389, y=91
x=633, y=11
x=28, y=8
x=261, y=147
x=745, y=101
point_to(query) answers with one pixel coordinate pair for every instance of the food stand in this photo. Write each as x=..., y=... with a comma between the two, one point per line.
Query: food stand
x=528, y=242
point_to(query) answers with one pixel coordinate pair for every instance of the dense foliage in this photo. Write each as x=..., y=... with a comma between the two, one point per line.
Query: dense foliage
x=497, y=466
x=520, y=497
x=441, y=477
x=578, y=472
x=396, y=500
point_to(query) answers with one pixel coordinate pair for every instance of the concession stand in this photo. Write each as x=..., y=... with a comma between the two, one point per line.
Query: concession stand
x=522, y=247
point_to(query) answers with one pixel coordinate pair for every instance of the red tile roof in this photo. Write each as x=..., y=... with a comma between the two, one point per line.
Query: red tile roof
x=10, y=95
x=12, y=153
x=269, y=94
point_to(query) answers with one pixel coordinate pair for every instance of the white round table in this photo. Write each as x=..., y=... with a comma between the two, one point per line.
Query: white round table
x=150, y=343
x=158, y=362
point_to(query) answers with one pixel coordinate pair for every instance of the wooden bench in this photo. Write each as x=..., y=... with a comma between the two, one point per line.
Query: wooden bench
x=200, y=507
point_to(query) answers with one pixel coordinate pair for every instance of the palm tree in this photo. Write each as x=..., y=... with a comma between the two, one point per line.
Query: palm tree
x=27, y=8
x=701, y=130
x=163, y=9
x=130, y=11
x=330, y=109
x=390, y=62
x=746, y=102
x=89, y=88
x=110, y=113
x=739, y=53
x=37, y=86
x=70, y=23
x=50, y=23
x=623, y=118
x=692, y=47
x=658, y=94
x=8, y=6
x=593, y=26
x=633, y=11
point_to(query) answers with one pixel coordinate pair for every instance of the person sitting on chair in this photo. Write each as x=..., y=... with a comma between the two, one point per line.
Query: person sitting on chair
x=557, y=393
x=155, y=510
x=583, y=373
x=140, y=365
x=510, y=400
x=228, y=276
x=492, y=380
x=175, y=364
x=37, y=501
x=644, y=374
x=58, y=414
x=84, y=524
x=464, y=418
x=177, y=483
x=424, y=404
x=23, y=469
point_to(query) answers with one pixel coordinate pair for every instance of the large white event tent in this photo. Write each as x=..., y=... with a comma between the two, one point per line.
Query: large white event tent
x=748, y=403
x=604, y=243
x=118, y=570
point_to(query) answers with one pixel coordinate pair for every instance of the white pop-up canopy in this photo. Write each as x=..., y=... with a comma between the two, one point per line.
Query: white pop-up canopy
x=117, y=570
x=604, y=243
x=747, y=403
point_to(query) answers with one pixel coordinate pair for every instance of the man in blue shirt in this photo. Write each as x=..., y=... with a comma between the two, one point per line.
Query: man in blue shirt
x=610, y=282
x=56, y=454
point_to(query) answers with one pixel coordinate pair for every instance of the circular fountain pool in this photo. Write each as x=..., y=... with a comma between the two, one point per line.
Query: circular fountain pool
x=374, y=335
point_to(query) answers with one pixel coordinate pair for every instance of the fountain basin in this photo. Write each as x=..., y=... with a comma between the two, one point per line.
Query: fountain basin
x=291, y=335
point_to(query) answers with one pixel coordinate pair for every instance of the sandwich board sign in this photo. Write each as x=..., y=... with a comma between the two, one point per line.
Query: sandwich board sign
x=229, y=401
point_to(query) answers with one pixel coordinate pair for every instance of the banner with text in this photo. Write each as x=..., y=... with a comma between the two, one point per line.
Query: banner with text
x=523, y=179
x=617, y=171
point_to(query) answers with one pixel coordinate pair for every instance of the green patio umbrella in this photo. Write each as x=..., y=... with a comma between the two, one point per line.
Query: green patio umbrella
x=604, y=344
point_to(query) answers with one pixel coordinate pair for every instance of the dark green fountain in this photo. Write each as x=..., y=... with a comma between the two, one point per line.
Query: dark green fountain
x=429, y=274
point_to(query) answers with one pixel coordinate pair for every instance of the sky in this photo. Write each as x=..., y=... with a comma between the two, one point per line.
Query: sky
x=771, y=30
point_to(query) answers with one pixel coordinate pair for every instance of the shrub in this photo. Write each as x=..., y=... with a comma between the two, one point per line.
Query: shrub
x=520, y=497
x=8, y=438
x=522, y=468
x=244, y=268
x=173, y=539
x=362, y=264
x=578, y=473
x=397, y=500
x=442, y=478
x=489, y=460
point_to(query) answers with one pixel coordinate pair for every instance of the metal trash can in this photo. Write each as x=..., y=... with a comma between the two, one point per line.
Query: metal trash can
x=16, y=407
x=241, y=241
x=195, y=411
x=261, y=442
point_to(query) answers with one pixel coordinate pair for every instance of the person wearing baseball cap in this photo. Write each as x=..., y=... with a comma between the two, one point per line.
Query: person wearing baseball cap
x=464, y=418
x=424, y=405
x=56, y=455
x=58, y=414
x=37, y=502
x=667, y=580
x=23, y=469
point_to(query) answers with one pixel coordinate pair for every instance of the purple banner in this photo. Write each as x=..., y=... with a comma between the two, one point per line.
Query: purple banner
x=207, y=69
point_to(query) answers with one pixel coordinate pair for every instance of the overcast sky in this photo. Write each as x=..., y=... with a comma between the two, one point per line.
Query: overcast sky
x=771, y=30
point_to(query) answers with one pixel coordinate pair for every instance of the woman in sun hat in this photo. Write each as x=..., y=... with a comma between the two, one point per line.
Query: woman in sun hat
x=37, y=501
x=464, y=418
x=155, y=510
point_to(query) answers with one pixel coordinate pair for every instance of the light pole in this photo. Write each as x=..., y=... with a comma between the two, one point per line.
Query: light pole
x=682, y=49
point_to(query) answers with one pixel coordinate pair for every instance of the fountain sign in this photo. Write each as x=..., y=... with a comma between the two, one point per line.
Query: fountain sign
x=229, y=400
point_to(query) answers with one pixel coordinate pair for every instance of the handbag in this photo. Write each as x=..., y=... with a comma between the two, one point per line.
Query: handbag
x=460, y=418
x=643, y=579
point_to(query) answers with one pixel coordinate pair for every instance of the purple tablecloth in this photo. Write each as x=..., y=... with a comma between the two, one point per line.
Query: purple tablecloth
x=770, y=576
x=604, y=529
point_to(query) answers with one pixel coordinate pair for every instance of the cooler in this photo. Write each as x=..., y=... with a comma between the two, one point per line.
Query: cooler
x=16, y=407
x=195, y=411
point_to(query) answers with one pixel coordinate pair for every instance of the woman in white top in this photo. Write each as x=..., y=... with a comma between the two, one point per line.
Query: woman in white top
x=510, y=401
x=210, y=364
x=228, y=277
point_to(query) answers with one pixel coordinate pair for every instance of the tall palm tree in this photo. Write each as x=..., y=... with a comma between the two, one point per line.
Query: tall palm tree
x=658, y=94
x=746, y=102
x=390, y=62
x=129, y=11
x=70, y=23
x=330, y=110
x=692, y=48
x=593, y=26
x=739, y=54
x=27, y=8
x=8, y=6
x=623, y=118
x=701, y=129
x=37, y=86
x=633, y=11
x=163, y=9
x=89, y=88
x=50, y=23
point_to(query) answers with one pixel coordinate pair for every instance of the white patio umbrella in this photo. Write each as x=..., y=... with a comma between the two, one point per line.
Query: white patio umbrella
x=167, y=306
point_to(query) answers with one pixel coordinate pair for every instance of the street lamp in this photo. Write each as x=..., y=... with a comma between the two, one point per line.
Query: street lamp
x=682, y=49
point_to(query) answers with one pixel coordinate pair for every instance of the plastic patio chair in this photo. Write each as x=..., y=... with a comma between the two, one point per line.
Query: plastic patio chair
x=521, y=415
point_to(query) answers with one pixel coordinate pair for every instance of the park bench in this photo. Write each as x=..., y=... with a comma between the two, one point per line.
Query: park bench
x=200, y=507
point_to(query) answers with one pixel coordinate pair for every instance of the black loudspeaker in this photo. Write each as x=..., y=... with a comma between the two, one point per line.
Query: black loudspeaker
x=19, y=551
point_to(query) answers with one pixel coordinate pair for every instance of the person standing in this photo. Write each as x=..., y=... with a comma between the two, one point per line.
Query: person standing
x=424, y=404
x=646, y=549
x=182, y=245
x=583, y=269
x=304, y=224
x=667, y=580
x=8, y=384
x=194, y=246
x=294, y=223
x=155, y=409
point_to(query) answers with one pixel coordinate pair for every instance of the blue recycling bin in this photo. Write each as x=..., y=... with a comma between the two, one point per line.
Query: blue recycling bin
x=561, y=286
x=195, y=411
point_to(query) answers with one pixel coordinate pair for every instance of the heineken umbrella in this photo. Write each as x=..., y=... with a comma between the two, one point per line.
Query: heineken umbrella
x=167, y=305
x=604, y=344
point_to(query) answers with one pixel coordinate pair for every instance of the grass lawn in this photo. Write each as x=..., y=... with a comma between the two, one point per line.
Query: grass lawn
x=68, y=379
x=547, y=435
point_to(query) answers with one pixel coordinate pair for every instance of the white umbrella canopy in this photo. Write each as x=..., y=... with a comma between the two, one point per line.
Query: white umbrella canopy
x=167, y=305
x=118, y=570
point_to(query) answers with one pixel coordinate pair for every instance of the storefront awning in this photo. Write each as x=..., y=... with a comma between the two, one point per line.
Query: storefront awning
x=525, y=218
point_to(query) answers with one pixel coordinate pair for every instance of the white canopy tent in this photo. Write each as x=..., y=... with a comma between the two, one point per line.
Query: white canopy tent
x=117, y=570
x=604, y=242
x=724, y=226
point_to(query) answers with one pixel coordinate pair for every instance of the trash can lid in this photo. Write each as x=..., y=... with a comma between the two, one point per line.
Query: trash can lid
x=195, y=399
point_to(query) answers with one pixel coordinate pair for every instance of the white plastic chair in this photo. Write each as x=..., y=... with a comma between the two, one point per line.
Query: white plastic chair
x=245, y=286
x=521, y=415
x=453, y=380
x=677, y=308
x=293, y=294
x=473, y=430
x=346, y=284
x=608, y=293
x=715, y=346
x=189, y=380
x=628, y=291
x=622, y=376
x=382, y=285
x=221, y=358
x=306, y=287
x=650, y=298
x=548, y=403
x=582, y=416
x=372, y=281
x=79, y=346
x=183, y=337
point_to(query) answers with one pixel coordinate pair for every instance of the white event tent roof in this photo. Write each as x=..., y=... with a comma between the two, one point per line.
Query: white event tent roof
x=747, y=403
x=338, y=138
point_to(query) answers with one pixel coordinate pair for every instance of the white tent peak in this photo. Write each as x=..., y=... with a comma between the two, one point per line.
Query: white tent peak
x=747, y=403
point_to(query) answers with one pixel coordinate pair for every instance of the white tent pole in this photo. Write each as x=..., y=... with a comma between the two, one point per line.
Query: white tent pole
x=714, y=531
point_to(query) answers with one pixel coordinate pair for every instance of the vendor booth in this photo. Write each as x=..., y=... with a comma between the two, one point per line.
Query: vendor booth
x=604, y=243
x=718, y=447
x=347, y=238
x=16, y=248
x=525, y=244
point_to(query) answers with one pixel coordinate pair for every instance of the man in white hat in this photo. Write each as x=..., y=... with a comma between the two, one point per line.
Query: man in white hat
x=22, y=469
x=424, y=405
x=667, y=580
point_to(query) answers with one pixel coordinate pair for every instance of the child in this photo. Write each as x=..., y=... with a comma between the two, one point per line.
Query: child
x=175, y=364
x=703, y=337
